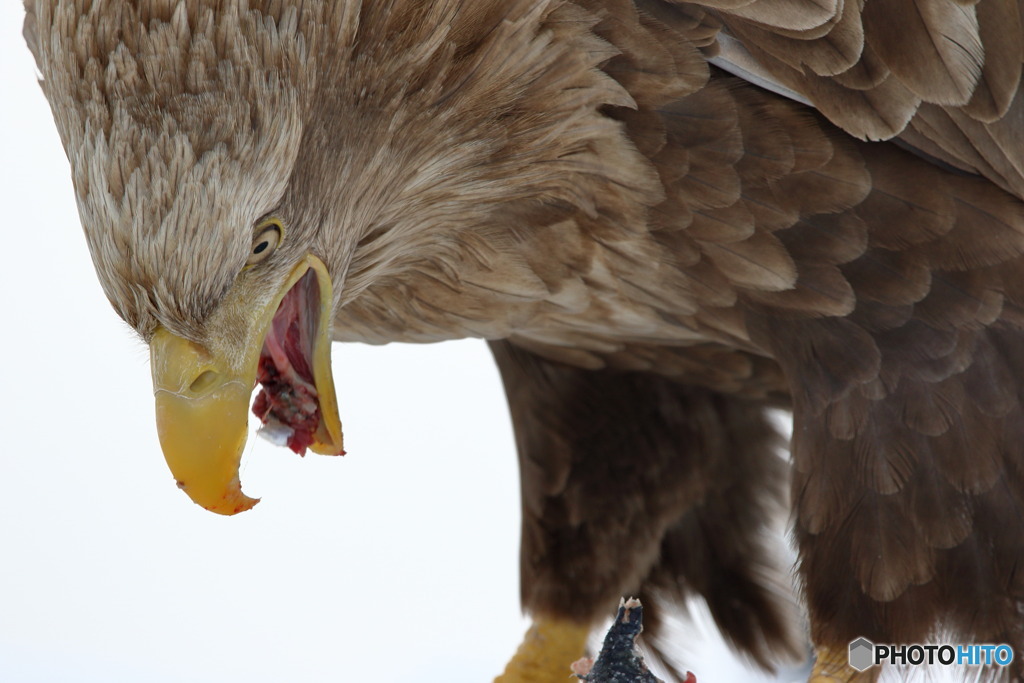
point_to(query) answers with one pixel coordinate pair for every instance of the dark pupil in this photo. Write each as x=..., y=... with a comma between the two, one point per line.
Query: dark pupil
x=261, y=247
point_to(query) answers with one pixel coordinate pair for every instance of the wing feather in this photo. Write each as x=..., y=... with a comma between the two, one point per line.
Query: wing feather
x=933, y=46
x=942, y=75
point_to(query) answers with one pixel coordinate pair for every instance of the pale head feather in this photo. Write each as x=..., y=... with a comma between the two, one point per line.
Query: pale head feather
x=387, y=136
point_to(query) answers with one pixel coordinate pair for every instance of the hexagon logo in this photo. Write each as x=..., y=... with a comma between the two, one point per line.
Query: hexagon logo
x=862, y=654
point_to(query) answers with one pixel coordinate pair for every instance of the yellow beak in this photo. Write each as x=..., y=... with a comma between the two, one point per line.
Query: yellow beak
x=202, y=402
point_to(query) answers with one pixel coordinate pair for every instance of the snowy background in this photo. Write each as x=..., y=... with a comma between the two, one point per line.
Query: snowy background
x=397, y=562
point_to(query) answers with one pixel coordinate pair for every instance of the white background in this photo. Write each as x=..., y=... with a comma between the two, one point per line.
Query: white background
x=397, y=562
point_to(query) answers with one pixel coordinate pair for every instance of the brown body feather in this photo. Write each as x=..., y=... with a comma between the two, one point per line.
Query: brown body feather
x=634, y=482
x=657, y=248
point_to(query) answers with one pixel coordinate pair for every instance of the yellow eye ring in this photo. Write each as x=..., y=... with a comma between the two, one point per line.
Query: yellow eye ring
x=269, y=234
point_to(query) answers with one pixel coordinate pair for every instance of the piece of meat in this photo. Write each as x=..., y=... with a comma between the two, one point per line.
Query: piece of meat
x=288, y=404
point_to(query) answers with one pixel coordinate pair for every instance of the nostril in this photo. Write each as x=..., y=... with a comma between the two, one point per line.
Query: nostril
x=203, y=382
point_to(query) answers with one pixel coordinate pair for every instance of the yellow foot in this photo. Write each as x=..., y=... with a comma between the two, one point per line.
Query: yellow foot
x=546, y=653
x=833, y=666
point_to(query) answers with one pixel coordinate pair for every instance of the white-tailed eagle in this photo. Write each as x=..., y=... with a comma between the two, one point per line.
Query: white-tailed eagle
x=666, y=217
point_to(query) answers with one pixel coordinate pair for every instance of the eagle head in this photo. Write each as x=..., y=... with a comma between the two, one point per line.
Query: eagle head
x=182, y=124
x=245, y=170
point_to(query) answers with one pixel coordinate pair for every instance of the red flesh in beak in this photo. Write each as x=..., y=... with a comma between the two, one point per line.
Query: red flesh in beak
x=288, y=404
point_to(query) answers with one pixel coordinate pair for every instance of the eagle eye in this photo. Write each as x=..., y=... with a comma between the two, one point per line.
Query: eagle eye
x=268, y=236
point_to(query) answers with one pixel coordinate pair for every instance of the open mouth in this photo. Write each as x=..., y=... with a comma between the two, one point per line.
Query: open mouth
x=202, y=398
x=288, y=404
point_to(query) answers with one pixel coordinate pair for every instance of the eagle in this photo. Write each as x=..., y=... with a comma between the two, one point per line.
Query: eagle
x=667, y=218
